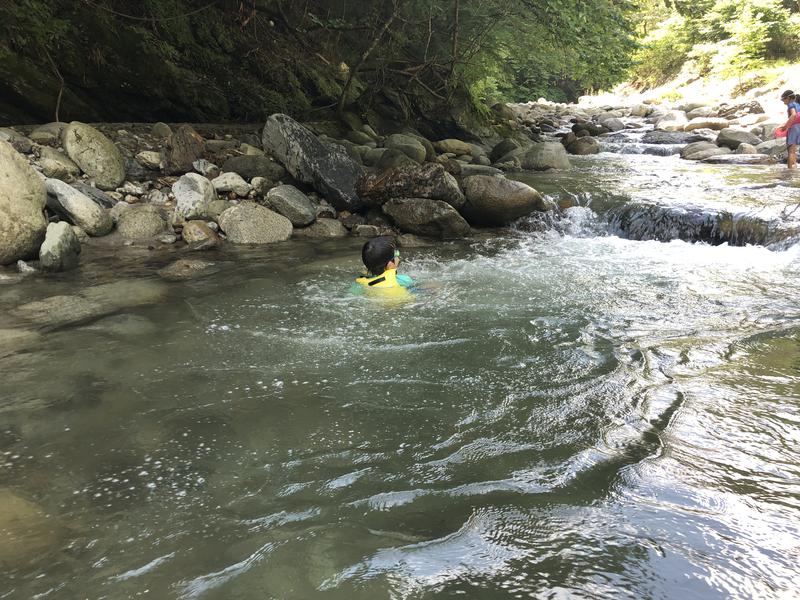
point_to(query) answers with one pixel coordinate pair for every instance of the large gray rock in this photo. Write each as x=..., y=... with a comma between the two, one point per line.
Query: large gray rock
x=95, y=154
x=141, y=221
x=250, y=223
x=181, y=149
x=408, y=145
x=423, y=216
x=740, y=159
x=745, y=148
x=502, y=148
x=193, y=196
x=60, y=249
x=77, y=208
x=453, y=146
x=327, y=168
x=18, y=141
x=702, y=150
x=395, y=159
x=672, y=137
x=293, y=204
x=98, y=196
x=48, y=134
x=545, y=155
x=321, y=229
x=427, y=181
x=584, y=145
x=731, y=138
x=22, y=201
x=613, y=124
x=57, y=165
x=774, y=147
x=496, y=201
x=674, y=120
x=700, y=111
x=250, y=166
x=231, y=182
x=714, y=123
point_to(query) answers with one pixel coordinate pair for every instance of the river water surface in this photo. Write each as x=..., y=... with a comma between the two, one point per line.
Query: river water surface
x=568, y=413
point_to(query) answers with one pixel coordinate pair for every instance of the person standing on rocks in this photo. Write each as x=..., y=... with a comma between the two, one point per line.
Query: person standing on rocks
x=792, y=126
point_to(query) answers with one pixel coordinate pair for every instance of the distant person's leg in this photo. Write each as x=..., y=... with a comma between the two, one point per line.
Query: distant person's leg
x=792, y=163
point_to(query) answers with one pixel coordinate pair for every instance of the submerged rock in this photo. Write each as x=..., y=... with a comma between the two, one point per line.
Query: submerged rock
x=187, y=268
x=250, y=223
x=22, y=200
x=27, y=532
x=423, y=216
x=293, y=204
x=427, y=181
x=95, y=154
x=702, y=150
x=327, y=168
x=60, y=249
x=77, y=208
x=496, y=201
x=584, y=145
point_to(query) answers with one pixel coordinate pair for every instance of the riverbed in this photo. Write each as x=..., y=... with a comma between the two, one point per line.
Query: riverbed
x=577, y=408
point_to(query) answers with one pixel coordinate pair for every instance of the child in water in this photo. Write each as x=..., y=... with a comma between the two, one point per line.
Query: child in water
x=381, y=258
x=792, y=126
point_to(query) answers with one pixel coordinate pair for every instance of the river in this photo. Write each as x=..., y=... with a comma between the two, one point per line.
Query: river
x=588, y=407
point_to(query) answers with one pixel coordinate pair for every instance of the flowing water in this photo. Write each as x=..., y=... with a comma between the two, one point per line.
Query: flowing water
x=572, y=410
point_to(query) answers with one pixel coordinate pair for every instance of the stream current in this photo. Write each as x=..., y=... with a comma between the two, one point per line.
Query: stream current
x=595, y=407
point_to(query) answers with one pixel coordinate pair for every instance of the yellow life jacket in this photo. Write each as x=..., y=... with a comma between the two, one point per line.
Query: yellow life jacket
x=385, y=285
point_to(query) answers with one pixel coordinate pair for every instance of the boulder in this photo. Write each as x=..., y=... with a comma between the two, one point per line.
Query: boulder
x=700, y=111
x=250, y=150
x=589, y=129
x=430, y=181
x=367, y=231
x=740, y=159
x=56, y=165
x=423, y=216
x=504, y=111
x=745, y=148
x=360, y=138
x=48, y=134
x=327, y=168
x=322, y=228
x=583, y=146
x=502, y=148
x=496, y=201
x=735, y=111
x=18, y=141
x=198, y=232
x=373, y=156
x=160, y=131
x=453, y=146
x=77, y=208
x=408, y=145
x=250, y=223
x=141, y=221
x=469, y=170
x=672, y=137
x=232, y=182
x=674, y=120
x=775, y=147
x=206, y=168
x=545, y=155
x=714, y=123
x=293, y=204
x=731, y=138
x=613, y=124
x=250, y=166
x=640, y=110
x=95, y=154
x=181, y=149
x=193, y=194
x=149, y=159
x=22, y=201
x=60, y=249
x=702, y=150
x=394, y=159
x=99, y=197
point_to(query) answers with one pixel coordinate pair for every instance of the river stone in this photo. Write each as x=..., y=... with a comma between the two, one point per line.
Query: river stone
x=672, y=137
x=470, y=170
x=28, y=533
x=360, y=138
x=373, y=156
x=250, y=223
x=12, y=340
x=99, y=197
x=48, y=134
x=774, y=147
x=745, y=148
x=161, y=131
x=250, y=150
x=408, y=145
x=502, y=148
x=95, y=154
x=740, y=159
x=731, y=138
x=327, y=168
x=702, y=150
x=426, y=181
x=496, y=201
x=367, y=231
x=187, y=268
x=699, y=112
x=322, y=228
x=714, y=123
x=60, y=249
x=293, y=204
x=193, y=195
x=583, y=146
x=674, y=120
x=250, y=166
x=199, y=233
x=640, y=110
x=423, y=216
x=22, y=200
x=142, y=221
x=393, y=159
x=613, y=124
x=232, y=182
x=181, y=149
x=149, y=159
x=453, y=146
x=19, y=142
x=735, y=111
x=77, y=208
x=545, y=155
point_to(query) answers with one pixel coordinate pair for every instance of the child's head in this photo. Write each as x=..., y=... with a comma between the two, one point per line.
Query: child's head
x=377, y=253
x=788, y=96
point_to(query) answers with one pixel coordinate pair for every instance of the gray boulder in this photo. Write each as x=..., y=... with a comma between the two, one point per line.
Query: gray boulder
x=672, y=137
x=470, y=170
x=293, y=204
x=702, y=150
x=327, y=168
x=193, y=195
x=77, y=208
x=545, y=155
x=95, y=154
x=423, y=216
x=740, y=159
x=322, y=228
x=674, y=120
x=56, y=165
x=141, y=221
x=453, y=146
x=746, y=148
x=60, y=249
x=502, y=148
x=161, y=131
x=22, y=201
x=408, y=145
x=98, y=196
x=613, y=124
x=584, y=145
x=714, y=123
x=430, y=180
x=181, y=149
x=393, y=159
x=731, y=138
x=18, y=141
x=250, y=166
x=775, y=147
x=496, y=201
x=250, y=223
x=231, y=182
x=48, y=134
x=700, y=111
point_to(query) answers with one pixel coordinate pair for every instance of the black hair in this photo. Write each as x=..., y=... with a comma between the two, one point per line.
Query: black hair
x=788, y=94
x=377, y=253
